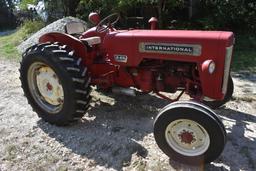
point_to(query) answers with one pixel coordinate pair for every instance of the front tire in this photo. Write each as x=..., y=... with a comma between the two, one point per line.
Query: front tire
x=189, y=133
x=55, y=83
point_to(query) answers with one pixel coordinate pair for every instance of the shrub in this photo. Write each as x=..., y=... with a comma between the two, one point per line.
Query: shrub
x=32, y=26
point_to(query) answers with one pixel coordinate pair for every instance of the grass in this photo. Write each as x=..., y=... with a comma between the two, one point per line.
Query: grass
x=9, y=43
x=244, y=60
x=245, y=53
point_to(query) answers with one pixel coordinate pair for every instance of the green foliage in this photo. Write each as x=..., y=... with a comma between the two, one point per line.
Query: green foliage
x=245, y=53
x=23, y=4
x=9, y=3
x=30, y=26
x=233, y=15
x=5, y=3
x=157, y=8
x=244, y=60
x=229, y=14
x=9, y=43
x=100, y=6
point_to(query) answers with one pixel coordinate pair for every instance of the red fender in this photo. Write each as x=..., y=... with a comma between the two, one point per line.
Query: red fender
x=72, y=42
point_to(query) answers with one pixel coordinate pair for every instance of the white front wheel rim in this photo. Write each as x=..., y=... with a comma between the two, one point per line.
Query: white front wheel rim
x=187, y=137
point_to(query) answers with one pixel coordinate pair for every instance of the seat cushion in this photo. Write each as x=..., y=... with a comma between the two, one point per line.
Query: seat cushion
x=92, y=40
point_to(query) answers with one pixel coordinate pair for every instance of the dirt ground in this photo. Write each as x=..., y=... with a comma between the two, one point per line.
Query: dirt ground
x=116, y=134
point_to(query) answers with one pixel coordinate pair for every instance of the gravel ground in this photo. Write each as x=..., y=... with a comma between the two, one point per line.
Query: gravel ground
x=116, y=134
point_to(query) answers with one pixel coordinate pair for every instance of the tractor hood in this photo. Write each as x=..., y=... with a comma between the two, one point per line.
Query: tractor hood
x=131, y=47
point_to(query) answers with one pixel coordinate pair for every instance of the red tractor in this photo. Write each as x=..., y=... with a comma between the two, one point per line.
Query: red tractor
x=57, y=73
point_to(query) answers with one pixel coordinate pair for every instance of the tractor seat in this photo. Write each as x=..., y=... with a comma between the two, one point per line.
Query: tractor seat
x=91, y=41
x=75, y=28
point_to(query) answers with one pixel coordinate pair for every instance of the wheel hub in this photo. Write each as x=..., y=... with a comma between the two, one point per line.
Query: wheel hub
x=49, y=86
x=187, y=137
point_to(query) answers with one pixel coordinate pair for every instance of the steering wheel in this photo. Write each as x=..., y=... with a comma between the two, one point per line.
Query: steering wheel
x=107, y=22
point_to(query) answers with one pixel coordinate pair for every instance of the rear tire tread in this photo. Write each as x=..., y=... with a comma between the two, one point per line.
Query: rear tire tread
x=59, y=52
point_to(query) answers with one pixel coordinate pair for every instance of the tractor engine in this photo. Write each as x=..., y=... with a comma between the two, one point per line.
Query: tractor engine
x=156, y=76
x=168, y=76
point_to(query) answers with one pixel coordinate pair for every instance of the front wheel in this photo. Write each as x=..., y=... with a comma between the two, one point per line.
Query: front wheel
x=189, y=132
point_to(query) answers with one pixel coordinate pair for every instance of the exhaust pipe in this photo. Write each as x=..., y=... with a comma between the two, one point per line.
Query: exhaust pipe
x=124, y=91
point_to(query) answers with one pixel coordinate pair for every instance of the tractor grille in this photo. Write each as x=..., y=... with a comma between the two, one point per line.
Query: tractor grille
x=228, y=58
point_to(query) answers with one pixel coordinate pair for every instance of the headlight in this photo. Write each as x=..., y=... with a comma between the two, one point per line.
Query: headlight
x=209, y=66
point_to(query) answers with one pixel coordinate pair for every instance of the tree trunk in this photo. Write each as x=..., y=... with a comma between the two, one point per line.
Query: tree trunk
x=69, y=7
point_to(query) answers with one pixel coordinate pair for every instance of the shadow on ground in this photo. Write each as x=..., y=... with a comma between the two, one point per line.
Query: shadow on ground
x=110, y=134
x=245, y=75
x=240, y=149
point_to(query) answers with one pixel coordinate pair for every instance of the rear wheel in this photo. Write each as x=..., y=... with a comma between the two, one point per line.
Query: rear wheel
x=189, y=133
x=217, y=103
x=55, y=83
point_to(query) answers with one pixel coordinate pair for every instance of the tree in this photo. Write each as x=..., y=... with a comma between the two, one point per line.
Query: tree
x=69, y=7
x=231, y=15
x=7, y=4
x=7, y=18
x=61, y=8
x=82, y=8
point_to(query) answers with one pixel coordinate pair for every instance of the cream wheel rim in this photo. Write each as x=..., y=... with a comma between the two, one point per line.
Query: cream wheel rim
x=45, y=87
x=187, y=137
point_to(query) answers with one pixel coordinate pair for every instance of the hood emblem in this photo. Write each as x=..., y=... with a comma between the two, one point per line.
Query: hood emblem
x=170, y=48
x=121, y=58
